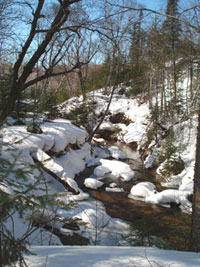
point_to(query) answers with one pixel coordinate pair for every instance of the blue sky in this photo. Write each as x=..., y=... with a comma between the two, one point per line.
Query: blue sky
x=161, y=4
x=153, y=4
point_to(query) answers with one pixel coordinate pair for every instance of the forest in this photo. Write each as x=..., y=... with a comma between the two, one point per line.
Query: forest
x=87, y=71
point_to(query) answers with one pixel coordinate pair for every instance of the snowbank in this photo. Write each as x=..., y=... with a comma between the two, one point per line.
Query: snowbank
x=100, y=256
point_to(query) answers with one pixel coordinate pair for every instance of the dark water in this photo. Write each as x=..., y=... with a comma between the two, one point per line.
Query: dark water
x=167, y=224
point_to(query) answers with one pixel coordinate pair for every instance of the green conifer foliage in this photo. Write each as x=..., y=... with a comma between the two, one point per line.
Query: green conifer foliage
x=18, y=199
x=172, y=26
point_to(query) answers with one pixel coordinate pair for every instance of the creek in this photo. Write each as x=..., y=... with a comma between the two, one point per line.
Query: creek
x=155, y=225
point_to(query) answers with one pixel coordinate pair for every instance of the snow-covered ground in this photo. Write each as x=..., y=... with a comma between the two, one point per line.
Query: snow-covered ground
x=59, y=136
x=110, y=257
x=184, y=132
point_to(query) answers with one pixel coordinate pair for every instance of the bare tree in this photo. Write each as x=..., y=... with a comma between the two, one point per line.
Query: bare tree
x=31, y=53
x=83, y=49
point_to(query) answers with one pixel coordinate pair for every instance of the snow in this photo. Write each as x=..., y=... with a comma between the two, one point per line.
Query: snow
x=116, y=153
x=72, y=162
x=64, y=133
x=92, y=183
x=117, y=169
x=168, y=196
x=101, y=170
x=68, y=197
x=70, y=182
x=143, y=190
x=47, y=162
x=115, y=189
x=102, y=256
x=134, y=132
x=94, y=217
x=57, y=137
x=150, y=159
x=100, y=152
x=98, y=226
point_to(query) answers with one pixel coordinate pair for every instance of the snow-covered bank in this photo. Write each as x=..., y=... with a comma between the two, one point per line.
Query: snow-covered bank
x=62, y=149
x=110, y=257
x=54, y=150
x=136, y=131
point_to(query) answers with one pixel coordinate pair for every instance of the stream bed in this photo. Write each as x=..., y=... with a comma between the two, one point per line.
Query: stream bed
x=149, y=224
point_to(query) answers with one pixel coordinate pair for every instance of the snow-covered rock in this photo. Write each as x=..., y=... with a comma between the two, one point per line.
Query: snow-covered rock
x=92, y=183
x=117, y=169
x=116, y=153
x=72, y=183
x=143, y=190
x=168, y=196
x=115, y=189
x=94, y=218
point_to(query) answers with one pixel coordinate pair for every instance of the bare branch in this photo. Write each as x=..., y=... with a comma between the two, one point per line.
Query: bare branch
x=49, y=74
x=29, y=40
x=126, y=9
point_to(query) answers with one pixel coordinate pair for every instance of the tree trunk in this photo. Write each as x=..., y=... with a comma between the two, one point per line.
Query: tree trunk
x=1, y=258
x=194, y=244
x=150, y=89
x=19, y=83
x=174, y=77
x=82, y=84
x=9, y=103
x=191, y=82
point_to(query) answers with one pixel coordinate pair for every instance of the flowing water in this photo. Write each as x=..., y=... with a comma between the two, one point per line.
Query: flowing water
x=154, y=225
